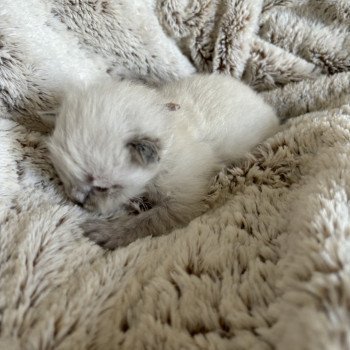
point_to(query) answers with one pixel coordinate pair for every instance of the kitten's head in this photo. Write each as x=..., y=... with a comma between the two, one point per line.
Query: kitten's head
x=108, y=142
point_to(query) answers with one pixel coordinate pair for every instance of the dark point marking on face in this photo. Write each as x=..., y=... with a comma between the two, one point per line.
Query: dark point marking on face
x=90, y=178
x=144, y=150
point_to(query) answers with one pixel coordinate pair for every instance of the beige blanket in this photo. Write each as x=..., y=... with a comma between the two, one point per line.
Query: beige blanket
x=268, y=267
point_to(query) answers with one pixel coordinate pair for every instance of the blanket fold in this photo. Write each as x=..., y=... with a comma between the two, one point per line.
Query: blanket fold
x=267, y=267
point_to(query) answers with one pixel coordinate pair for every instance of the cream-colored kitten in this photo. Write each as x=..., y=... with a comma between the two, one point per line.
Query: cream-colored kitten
x=118, y=142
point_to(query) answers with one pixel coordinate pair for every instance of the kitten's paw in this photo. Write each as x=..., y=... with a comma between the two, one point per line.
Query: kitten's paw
x=105, y=234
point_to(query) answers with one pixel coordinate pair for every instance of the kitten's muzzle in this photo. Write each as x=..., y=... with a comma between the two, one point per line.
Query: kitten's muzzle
x=78, y=197
x=77, y=202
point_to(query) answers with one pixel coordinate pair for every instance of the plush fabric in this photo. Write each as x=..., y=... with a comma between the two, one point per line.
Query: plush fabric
x=267, y=267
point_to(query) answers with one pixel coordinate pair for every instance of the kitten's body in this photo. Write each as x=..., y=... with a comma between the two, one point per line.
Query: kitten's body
x=162, y=144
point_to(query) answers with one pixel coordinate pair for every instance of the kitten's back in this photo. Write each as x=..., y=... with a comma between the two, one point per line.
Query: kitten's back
x=223, y=111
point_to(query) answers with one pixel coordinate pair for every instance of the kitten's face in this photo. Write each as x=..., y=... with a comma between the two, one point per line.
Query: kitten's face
x=102, y=150
x=104, y=186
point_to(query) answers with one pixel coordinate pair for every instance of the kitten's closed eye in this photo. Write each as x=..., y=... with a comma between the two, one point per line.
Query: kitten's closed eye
x=144, y=151
x=105, y=189
x=100, y=189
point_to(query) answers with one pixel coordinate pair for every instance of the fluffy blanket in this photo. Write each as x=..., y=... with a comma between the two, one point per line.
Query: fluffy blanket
x=267, y=267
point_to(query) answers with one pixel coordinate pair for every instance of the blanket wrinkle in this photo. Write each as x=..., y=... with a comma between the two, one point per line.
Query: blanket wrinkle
x=266, y=267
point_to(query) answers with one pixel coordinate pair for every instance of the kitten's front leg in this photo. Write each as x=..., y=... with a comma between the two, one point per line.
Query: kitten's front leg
x=124, y=230
x=109, y=234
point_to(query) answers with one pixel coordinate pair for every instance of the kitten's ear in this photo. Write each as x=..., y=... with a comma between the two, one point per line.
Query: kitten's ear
x=144, y=151
x=172, y=106
x=48, y=118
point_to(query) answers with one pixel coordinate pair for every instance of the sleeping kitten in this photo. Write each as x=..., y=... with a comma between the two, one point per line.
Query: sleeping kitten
x=118, y=141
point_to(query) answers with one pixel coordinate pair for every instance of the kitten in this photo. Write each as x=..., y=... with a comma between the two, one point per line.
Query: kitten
x=119, y=141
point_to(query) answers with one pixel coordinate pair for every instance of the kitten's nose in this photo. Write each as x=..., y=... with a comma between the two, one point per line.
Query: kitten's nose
x=75, y=201
x=78, y=197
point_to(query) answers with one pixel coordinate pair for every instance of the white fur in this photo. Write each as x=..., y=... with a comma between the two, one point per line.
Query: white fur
x=219, y=119
x=92, y=130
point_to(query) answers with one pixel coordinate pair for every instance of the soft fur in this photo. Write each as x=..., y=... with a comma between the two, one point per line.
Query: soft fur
x=117, y=141
x=267, y=269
